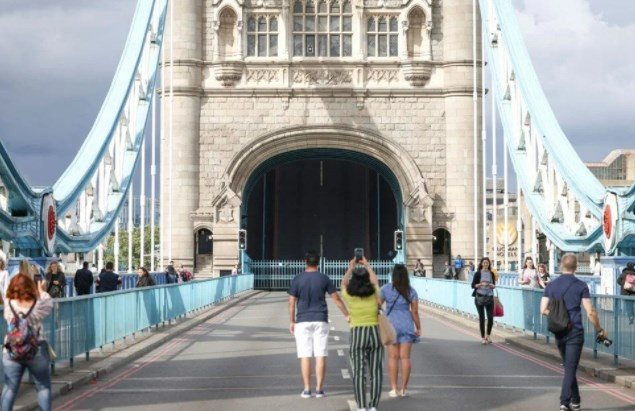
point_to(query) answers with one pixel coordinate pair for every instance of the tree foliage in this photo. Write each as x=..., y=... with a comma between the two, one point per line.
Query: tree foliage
x=109, y=252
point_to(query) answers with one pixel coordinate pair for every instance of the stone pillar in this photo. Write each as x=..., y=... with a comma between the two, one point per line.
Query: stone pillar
x=183, y=192
x=458, y=77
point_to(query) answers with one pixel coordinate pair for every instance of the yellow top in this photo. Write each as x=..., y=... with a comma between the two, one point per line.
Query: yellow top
x=363, y=311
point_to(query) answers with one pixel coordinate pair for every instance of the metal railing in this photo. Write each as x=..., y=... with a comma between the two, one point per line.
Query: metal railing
x=511, y=280
x=128, y=281
x=522, y=312
x=81, y=324
x=278, y=274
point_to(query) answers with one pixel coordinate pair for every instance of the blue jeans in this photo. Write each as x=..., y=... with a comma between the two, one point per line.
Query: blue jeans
x=570, y=347
x=39, y=367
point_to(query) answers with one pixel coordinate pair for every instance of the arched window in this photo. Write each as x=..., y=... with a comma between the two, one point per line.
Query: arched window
x=322, y=29
x=416, y=33
x=382, y=36
x=262, y=36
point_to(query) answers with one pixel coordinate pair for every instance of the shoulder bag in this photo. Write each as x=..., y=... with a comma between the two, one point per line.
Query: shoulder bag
x=387, y=332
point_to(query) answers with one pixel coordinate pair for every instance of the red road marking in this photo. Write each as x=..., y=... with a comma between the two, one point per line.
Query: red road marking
x=612, y=392
x=120, y=377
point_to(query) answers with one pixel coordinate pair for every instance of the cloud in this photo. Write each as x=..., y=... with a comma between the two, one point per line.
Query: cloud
x=585, y=64
x=58, y=59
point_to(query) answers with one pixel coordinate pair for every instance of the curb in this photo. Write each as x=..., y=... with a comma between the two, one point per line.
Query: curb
x=128, y=354
x=623, y=377
x=620, y=376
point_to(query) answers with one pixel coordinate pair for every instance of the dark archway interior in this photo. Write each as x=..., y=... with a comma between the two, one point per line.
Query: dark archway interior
x=441, y=241
x=329, y=205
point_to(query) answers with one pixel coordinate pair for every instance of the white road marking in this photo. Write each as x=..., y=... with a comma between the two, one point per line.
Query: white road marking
x=345, y=374
x=336, y=338
x=340, y=353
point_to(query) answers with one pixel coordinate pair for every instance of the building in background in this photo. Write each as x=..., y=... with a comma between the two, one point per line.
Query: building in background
x=494, y=200
x=136, y=212
x=617, y=168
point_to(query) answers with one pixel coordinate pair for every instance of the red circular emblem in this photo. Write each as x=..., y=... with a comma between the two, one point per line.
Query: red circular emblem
x=608, y=221
x=51, y=223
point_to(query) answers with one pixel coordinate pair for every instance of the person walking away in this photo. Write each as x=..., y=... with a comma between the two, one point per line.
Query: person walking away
x=470, y=267
x=361, y=293
x=26, y=307
x=108, y=281
x=4, y=279
x=449, y=273
x=543, y=276
x=528, y=276
x=458, y=266
x=184, y=275
x=483, y=284
x=308, y=321
x=402, y=304
x=93, y=269
x=419, y=271
x=56, y=281
x=145, y=279
x=626, y=281
x=83, y=280
x=575, y=294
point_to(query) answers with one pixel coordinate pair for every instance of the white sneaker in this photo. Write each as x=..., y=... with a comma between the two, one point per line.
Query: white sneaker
x=403, y=393
x=393, y=394
x=372, y=409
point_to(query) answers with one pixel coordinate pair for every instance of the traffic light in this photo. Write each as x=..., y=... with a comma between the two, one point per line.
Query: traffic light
x=242, y=239
x=398, y=240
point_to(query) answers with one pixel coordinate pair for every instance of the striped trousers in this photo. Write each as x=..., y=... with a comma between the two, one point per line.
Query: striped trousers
x=367, y=353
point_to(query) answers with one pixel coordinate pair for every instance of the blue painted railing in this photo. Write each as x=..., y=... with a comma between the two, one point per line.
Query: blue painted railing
x=511, y=280
x=128, y=281
x=81, y=324
x=278, y=274
x=522, y=312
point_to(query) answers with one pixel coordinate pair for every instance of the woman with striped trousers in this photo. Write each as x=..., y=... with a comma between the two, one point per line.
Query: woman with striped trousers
x=361, y=294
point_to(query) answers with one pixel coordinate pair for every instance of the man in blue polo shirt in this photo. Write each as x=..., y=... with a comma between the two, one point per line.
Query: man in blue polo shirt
x=310, y=325
x=575, y=294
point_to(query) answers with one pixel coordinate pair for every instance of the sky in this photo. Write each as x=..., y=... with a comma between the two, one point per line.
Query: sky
x=57, y=60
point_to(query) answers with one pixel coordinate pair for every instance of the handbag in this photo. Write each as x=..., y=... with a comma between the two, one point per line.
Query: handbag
x=482, y=300
x=499, y=310
x=387, y=333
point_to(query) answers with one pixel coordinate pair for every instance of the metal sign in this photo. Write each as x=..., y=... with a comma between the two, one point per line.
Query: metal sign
x=48, y=223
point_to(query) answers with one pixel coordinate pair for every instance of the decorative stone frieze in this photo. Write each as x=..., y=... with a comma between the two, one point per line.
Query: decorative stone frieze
x=263, y=76
x=325, y=77
x=416, y=73
x=420, y=205
x=228, y=73
x=383, y=75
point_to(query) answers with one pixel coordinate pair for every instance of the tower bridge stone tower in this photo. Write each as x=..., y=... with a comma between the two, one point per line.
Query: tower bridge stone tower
x=255, y=79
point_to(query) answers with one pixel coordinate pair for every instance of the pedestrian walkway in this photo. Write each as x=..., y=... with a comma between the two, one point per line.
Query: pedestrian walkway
x=244, y=359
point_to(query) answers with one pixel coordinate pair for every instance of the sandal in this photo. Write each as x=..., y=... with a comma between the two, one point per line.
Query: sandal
x=483, y=341
x=489, y=340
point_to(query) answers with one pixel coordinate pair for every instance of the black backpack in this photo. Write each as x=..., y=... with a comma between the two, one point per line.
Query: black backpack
x=558, y=317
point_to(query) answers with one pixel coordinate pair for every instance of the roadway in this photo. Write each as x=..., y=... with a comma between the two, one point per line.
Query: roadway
x=244, y=359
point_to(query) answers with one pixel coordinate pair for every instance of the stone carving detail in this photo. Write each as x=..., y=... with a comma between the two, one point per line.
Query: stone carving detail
x=383, y=75
x=390, y=4
x=417, y=74
x=420, y=205
x=322, y=77
x=228, y=73
x=226, y=214
x=224, y=205
x=263, y=76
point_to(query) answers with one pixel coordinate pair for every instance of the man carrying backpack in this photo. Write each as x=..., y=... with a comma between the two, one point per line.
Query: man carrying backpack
x=562, y=302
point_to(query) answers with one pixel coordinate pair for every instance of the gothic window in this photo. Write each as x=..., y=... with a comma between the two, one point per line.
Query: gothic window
x=416, y=33
x=262, y=36
x=382, y=36
x=227, y=35
x=322, y=29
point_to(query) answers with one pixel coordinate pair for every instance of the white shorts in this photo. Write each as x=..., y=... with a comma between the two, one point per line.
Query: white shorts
x=311, y=339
